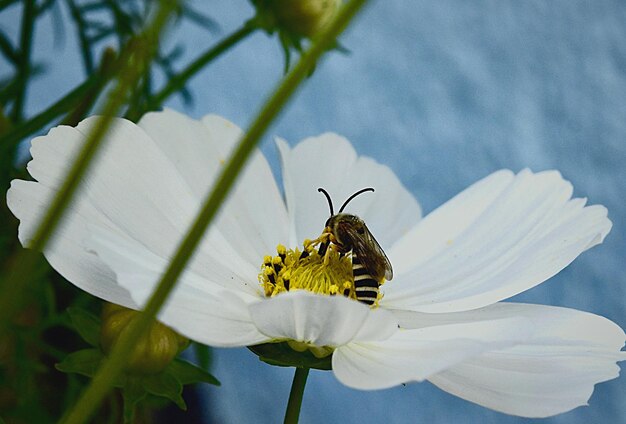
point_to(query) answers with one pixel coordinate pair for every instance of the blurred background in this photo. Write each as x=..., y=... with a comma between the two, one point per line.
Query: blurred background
x=444, y=93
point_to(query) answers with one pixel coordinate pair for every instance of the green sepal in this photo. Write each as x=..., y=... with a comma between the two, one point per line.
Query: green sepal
x=86, y=325
x=84, y=362
x=133, y=392
x=203, y=354
x=188, y=373
x=337, y=46
x=135, y=387
x=165, y=385
x=288, y=40
x=280, y=354
x=263, y=19
x=138, y=387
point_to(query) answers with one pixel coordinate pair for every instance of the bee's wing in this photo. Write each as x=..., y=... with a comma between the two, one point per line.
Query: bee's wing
x=371, y=254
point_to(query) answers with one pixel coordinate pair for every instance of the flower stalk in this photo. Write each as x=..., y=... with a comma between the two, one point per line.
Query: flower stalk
x=292, y=413
x=26, y=41
x=89, y=89
x=178, y=82
x=104, y=379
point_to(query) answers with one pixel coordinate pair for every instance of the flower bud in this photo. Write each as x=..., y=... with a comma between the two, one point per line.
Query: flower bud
x=303, y=17
x=153, y=351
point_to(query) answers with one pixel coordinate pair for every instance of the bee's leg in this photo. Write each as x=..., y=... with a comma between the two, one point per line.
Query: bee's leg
x=323, y=250
x=320, y=240
x=331, y=245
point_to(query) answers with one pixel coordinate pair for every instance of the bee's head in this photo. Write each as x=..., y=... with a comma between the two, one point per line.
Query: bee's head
x=342, y=224
x=344, y=219
x=330, y=222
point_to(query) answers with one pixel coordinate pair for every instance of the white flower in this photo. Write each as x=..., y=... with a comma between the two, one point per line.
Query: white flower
x=441, y=317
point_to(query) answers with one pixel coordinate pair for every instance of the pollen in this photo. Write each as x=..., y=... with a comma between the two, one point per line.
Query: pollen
x=295, y=269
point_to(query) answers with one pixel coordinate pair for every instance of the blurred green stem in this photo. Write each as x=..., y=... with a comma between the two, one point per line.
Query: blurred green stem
x=103, y=381
x=292, y=414
x=84, y=94
x=90, y=89
x=82, y=36
x=134, y=57
x=23, y=70
x=108, y=68
x=176, y=83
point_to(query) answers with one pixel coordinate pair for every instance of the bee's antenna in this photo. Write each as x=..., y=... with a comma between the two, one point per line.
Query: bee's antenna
x=330, y=202
x=353, y=196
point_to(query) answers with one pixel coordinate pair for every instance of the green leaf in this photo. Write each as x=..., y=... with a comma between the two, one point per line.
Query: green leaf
x=188, y=373
x=167, y=386
x=86, y=324
x=85, y=362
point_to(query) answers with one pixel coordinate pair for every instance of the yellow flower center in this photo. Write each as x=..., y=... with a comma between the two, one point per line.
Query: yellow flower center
x=329, y=273
x=318, y=268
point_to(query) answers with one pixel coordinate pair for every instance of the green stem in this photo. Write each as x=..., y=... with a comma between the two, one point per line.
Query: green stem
x=81, y=30
x=6, y=3
x=177, y=82
x=139, y=51
x=23, y=70
x=19, y=132
x=295, y=396
x=88, y=89
x=103, y=381
x=108, y=65
x=136, y=103
x=96, y=82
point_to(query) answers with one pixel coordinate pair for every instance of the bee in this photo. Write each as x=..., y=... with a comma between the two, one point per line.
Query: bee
x=348, y=233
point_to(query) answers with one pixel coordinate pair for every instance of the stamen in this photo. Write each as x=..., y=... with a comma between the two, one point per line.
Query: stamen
x=282, y=251
x=319, y=268
x=322, y=271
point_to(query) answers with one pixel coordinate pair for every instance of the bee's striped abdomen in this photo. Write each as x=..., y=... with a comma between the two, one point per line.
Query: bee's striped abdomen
x=365, y=286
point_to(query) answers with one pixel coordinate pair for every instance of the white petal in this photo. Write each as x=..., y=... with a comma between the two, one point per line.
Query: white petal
x=195, y=150
x=529, y=232
x=553, y=372
x=136, y=187
x=131, y=182
x=130, y=188
x=197, y=308
x=444, y=224
x=29, y=201
x=416, y=354
x=330, y=162
x=320, y=320
x=254, y=218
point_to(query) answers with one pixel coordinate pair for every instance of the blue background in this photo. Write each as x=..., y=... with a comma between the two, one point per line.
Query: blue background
x=444, y=93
